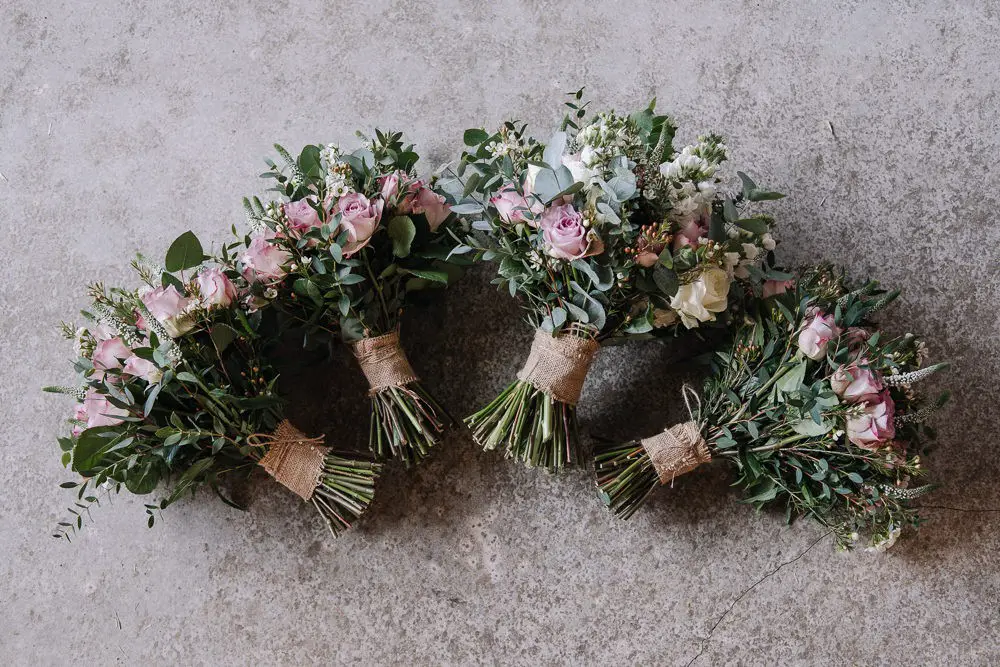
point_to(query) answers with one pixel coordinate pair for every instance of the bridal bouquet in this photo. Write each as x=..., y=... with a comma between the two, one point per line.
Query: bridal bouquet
x=604, y=232
x=813, y=406
x=174, y=388
x=353, y=236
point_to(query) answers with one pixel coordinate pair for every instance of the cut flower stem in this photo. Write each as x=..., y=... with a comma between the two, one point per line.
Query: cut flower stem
x=529, y=425
x=406, y=422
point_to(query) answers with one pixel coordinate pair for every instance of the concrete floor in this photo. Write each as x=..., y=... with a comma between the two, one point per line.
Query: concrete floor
x=122, y=125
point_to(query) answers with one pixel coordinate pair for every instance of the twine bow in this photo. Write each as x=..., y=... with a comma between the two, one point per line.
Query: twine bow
x=383, y=362
x=292, y=459
x=681, y=448
x=558, y=365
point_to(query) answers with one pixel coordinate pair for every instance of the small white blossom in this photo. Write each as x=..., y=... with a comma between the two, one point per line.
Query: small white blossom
x=330, y=154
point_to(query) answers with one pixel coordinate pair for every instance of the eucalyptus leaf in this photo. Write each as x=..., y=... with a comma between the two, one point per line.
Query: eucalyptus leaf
x=552, y=156
x=811, y=428
x=474, y=136
x=185, y=252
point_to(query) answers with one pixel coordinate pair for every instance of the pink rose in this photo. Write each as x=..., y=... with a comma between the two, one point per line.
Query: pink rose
x=564, y=234
x=100, y=412
x=856, y=383
x=514, y=208
x=142, y=368
x=874, y=425
x=389, y=185
x=429, y=203
x=773, y=287
x=101, y=332
x=301, y=215
x=359, y=218
x=816, y=334
x=690, y=231
x=263, y=260
x=216, y=288
x=168, y=306
x=109, y=353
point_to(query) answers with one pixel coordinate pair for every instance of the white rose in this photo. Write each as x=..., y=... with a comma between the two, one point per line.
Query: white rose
x=589, y=156
x=750, y=251
x=699, y=300
x=581, y=173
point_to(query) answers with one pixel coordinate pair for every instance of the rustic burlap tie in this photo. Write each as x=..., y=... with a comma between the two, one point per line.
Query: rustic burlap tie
x=558, y=365
x=293, y=459
x=679, y=449
x=383, y=362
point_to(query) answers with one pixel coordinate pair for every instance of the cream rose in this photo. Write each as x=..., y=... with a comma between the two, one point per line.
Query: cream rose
x=700, y=300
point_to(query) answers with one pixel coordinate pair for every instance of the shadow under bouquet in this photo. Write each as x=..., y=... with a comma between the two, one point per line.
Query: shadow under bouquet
x=353, y=237
x=604, y=233
x=813, y=406
x=175, y=388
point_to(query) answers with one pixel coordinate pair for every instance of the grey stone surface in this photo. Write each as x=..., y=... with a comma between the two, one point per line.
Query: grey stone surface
x=123, y=124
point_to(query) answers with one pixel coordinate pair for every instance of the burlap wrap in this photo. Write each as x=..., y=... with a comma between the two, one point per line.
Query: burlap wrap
x=678, y=450
x=383, y=362
x=293, y=459
x=558, y=365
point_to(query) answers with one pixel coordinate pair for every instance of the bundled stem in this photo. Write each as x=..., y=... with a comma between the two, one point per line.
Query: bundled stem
x=406, y=422
x=625, y=477
x=345, y=491
x=532, y=426
x=339, y=487
x=535, y=416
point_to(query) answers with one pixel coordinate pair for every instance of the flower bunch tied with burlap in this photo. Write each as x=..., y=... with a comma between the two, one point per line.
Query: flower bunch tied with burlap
x=354, y=236
x=606, y=232
x=815, y=409
x=174, y=390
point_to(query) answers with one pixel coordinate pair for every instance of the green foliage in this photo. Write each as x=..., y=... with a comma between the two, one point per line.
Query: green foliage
x=337, y=287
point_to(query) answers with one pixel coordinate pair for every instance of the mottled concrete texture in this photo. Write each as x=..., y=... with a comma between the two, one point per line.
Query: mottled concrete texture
x=123, y=124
